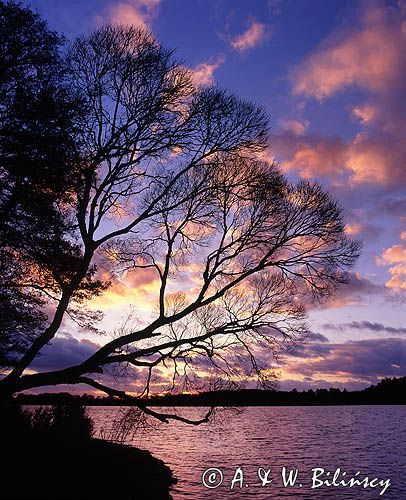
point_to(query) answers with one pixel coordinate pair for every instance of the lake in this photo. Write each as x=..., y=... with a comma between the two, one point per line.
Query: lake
x=242, y=446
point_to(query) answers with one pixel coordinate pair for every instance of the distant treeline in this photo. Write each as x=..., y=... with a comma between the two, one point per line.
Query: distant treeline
x=387, y=391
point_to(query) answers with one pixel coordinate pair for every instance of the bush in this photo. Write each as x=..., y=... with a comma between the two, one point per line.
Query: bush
x=61, y=422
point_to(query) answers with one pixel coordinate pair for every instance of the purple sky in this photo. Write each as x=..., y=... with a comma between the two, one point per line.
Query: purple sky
x=332, y=77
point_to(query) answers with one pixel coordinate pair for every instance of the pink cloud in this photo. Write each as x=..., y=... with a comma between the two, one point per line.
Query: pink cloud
x=361, y=359
x=395, y=257
x=354, y=229
x=369, y=158
x=141, y=278
x=377, y=159
x=370, y=57
x=202, y=74
x=310, y=156
x=251, y=37
x=365, y=114
x=138, y=13
x=358, y=290
x=363, y=230
x=295, y=126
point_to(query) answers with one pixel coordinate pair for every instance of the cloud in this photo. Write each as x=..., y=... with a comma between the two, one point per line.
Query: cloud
x=312, y=349
x=365, y=325
x=294, y=126
x=315, y=337
x=202, y=74
x=395, y=256
x=376, y=158
x=365, y=360
x=138, y=287
x=310, y=155
x=370, y=57
x=357, y=290
x=139, y=13
x=364, y=113
x=251, y=37
x=311, y=383
x=370, y=158
x=353, y=229
x=363, y=230
x=63, y=352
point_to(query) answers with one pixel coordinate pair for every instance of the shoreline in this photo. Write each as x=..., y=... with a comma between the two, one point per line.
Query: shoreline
x=218, y=405
x=87, y=469
x=51, y=454
x=386, y=392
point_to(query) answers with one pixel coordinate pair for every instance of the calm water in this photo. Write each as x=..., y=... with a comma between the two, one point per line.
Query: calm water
x=369, y=439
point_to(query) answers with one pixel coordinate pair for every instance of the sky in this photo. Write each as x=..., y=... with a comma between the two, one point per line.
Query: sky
x=331, y=75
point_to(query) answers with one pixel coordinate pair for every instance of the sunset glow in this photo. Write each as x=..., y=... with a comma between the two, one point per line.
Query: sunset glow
x=331, y=75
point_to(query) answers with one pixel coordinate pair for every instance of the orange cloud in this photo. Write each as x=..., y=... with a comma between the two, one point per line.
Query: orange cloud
x=370, y=57
x=250, y=38
x=138, y=287
x=202, y=74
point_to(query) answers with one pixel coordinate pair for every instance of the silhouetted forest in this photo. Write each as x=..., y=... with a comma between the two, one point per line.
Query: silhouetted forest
x=387, y=391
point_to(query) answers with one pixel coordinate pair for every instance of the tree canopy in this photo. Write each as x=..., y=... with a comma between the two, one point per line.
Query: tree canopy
x=131, y=166
x=38, y=161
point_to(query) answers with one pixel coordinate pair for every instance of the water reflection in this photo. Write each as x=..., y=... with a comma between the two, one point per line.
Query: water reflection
x=369, y=439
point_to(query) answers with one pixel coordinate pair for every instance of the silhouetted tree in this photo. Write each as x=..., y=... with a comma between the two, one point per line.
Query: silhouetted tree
x=39, y=161
x=171, y=180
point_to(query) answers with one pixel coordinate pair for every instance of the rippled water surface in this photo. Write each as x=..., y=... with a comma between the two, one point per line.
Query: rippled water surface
x=369, y=439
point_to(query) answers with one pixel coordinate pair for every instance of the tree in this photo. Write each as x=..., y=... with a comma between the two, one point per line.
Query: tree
x=170, y=179
x=39, y=151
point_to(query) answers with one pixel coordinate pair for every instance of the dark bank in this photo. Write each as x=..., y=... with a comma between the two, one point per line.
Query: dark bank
x=62, y=460
x=391, y=391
